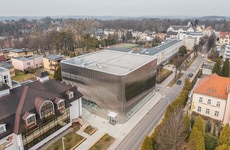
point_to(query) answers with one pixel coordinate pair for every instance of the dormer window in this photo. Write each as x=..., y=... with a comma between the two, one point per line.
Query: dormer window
x=70, y=94
x=47, y=109
x=2, y=128
x=61, y=104
x=30, y=119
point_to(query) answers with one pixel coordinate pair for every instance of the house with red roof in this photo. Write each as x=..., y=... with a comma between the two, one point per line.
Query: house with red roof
x=224, y=38
x=211, y=98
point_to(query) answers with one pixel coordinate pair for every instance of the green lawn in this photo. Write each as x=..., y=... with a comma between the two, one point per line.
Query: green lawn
x=90, y=130
x=21, y=76
x=103, y=143
x=70, y=141
x=164, y=73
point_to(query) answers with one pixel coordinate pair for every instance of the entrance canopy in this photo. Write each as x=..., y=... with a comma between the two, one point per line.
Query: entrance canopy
x=112, y=114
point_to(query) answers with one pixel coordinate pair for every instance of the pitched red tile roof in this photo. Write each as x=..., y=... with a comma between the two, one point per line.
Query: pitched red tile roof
x=223, y=34
x=214, y=86
x=2, y=58
x=208, y=28
x=26, y=114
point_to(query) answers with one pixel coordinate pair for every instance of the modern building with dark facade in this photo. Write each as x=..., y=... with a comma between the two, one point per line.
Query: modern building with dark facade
x=114, y=84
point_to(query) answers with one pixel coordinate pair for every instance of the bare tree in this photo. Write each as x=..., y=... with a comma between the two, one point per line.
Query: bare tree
x=172, y=133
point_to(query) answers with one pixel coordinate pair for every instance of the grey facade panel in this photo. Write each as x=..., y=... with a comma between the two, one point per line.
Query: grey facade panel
x=117, y=93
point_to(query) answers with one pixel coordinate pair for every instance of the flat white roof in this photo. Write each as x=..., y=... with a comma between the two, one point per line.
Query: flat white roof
x=113, y=62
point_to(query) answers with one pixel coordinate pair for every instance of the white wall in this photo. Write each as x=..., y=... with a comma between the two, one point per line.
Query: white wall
x=10, y=142
x=76, y=109
x=212, y=106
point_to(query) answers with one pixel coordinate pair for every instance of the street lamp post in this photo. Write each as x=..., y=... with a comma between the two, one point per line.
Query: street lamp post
x=63, y=145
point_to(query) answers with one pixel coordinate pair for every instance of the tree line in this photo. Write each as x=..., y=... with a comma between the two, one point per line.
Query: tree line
x=179, y=131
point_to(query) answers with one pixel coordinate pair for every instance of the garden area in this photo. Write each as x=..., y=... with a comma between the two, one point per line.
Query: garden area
x=162, y=75
x=103, y=143
x=90, y=130
x=71, y=140
x=21, y=76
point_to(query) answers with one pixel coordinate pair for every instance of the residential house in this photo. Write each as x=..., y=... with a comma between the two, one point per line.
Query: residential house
x=207, y=67
x=147, y=35
x=20, y=53
x=5, y=52
x=172, y=35
x=8, y=66
x=161, y=36
x=224, y=38
x=108, y=32
x=179, y=28
x=25, y=63
x=52, y=62
x=211, y=98
x=208, y=31
x=35, y=113
x=226, y=52
x=190, y=38
x=5, y=78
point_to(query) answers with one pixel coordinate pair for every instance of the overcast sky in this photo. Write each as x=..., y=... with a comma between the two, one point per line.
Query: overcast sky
x=114, y=7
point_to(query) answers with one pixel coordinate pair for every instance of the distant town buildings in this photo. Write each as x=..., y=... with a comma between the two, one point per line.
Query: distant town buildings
x=20, y=53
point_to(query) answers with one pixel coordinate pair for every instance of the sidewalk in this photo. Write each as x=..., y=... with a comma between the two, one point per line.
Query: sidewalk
x=118, y=131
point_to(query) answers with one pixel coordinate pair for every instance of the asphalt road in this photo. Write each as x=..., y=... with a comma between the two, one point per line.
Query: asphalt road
x=135, y=138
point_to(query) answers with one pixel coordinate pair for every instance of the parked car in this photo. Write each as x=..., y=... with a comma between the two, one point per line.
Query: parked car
x=178, y=82
x=190, y=74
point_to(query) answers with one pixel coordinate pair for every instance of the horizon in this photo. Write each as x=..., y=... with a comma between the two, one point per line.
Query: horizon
x=131, y=8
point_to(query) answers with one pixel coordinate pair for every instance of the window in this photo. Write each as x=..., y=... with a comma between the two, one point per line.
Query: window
x=6, y=79
x=47, y=109
x=2, y=128
x=216, y=113
x=209, y=101
x=207, y=111
x=70, y=94
x=218, y=104
x=31, y=120
x=200, y=100
x=61, y=104
x=28, y=64
x=199, y=109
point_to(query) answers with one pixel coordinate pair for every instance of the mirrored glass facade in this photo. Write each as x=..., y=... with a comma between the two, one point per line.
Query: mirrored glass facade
x=117, y=93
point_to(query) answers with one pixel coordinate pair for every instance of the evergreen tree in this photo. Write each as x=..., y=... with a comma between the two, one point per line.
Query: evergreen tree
x=57, y=74
x=199, y=124
x=224, y=136
x=183, y=50
x=217, y=67
x=214, y=130
x=196, y=140
x=219, y=129
x=210, y=142
x=223, y=147
x=187, y=124
x=208, y=126
x=225, y=68
x=147, y=144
